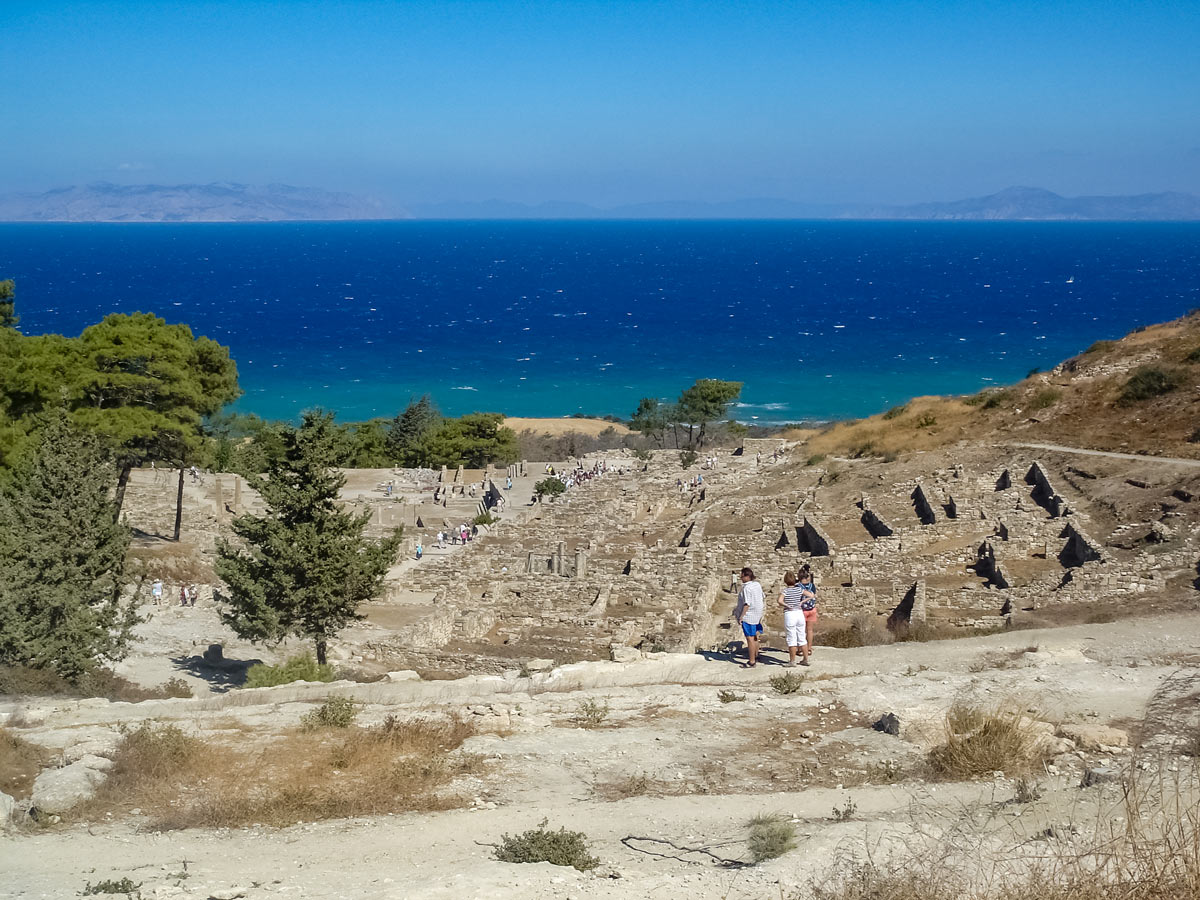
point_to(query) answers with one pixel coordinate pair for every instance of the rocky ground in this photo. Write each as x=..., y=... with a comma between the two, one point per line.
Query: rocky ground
x=665, y=783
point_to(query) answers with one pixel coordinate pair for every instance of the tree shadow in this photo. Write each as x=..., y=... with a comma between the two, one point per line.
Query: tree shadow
x=223, y=675
x=139, y=534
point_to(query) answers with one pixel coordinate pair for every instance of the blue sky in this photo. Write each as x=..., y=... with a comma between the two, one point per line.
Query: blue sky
x=606, y=102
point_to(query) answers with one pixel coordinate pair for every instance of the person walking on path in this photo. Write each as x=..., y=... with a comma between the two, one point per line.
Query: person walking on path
x=749, y=613
x=420, y=549
x=791, y=600
x=808, y=585
x=156, y=591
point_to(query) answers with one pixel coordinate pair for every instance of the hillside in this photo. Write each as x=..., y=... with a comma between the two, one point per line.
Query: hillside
x=1083, y=402
x=219, y=202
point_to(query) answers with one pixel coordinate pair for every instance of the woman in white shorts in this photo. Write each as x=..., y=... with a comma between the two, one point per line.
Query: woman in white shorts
x=793, y=619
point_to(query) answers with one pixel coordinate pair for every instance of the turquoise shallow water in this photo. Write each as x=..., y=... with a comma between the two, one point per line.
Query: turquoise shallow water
x=819, y=319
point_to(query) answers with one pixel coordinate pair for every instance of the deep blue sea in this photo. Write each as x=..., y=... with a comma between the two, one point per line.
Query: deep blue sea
x=819, y=319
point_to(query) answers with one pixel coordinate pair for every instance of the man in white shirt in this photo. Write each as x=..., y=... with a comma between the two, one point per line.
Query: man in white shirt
x=749, y=613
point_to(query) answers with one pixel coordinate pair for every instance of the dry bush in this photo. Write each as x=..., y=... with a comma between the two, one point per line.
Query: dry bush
x=20, y=762
x=179, y=781
x=630, y=786
x=1148, y=848
x=23, y=681
x=982, y=741
x=864, y=630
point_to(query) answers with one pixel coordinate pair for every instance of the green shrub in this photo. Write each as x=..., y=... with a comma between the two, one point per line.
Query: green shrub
x=549, y=487
x=927, y=421
x=1148, y=382
x=730, y=696
x=771, y=836
x=1101, y=347
x=298, y=668
x=787, y=683
x=1045, y=398
x=845, y=813
x=1194, y=356
x=335, y=712
x=112, y=886
x=485, y=518
x=559, y=848
x=815, y=460
x=687, y=458
x=590, y=713
x=996, y=399
x=896, y=412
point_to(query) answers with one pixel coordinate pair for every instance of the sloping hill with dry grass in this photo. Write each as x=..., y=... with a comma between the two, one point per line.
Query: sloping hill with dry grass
x=1140, y=394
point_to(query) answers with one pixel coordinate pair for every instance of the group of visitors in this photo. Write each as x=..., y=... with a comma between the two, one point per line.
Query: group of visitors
x=581, y=475
x=187, y=593
x=798, y=600
x=692, y=484
x=460, y=535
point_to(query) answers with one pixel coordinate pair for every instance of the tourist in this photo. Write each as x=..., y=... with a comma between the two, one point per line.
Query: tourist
x=420, y=549
x=192, y=592
x=183, y=595
x=793, y=618
x=749, y=613
x=808, y=585
x=156, y=591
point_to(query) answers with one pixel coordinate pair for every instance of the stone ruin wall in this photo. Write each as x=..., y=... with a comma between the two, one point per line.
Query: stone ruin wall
x=644, y=564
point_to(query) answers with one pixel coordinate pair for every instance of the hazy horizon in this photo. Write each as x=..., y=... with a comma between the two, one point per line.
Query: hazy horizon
x=606, y=104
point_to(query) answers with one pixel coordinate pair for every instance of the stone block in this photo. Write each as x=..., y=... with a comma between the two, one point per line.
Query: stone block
x=57, y=790
x=625, y=654
x=8, y=809
x=401, y=675
x=1094, y=737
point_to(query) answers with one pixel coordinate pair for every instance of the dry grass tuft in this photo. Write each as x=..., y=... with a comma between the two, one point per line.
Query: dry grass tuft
x=770, y=837
x=1146, y=849
x=22, y=681
x=180, y=781
x=982, y=741
x=20, y=762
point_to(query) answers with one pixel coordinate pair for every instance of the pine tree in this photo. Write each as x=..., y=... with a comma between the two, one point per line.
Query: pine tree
x=417, y=420
x=8, y=315
x=306, y=565
x=62, y=556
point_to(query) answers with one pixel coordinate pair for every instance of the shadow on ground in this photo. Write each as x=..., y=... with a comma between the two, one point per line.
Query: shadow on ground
x=222, y=674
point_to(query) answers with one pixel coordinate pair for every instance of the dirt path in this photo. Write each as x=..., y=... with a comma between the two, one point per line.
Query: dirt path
x=1058, y=448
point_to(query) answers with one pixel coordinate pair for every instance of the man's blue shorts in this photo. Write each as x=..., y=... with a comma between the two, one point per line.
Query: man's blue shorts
x=751, y=630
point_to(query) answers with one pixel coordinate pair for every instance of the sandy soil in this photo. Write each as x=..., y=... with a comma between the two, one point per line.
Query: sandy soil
x=563, y=426
x=707, y=767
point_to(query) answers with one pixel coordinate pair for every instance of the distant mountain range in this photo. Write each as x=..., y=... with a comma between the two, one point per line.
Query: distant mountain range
x=220, y=202
x=1017, y=203
x=224, y=202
